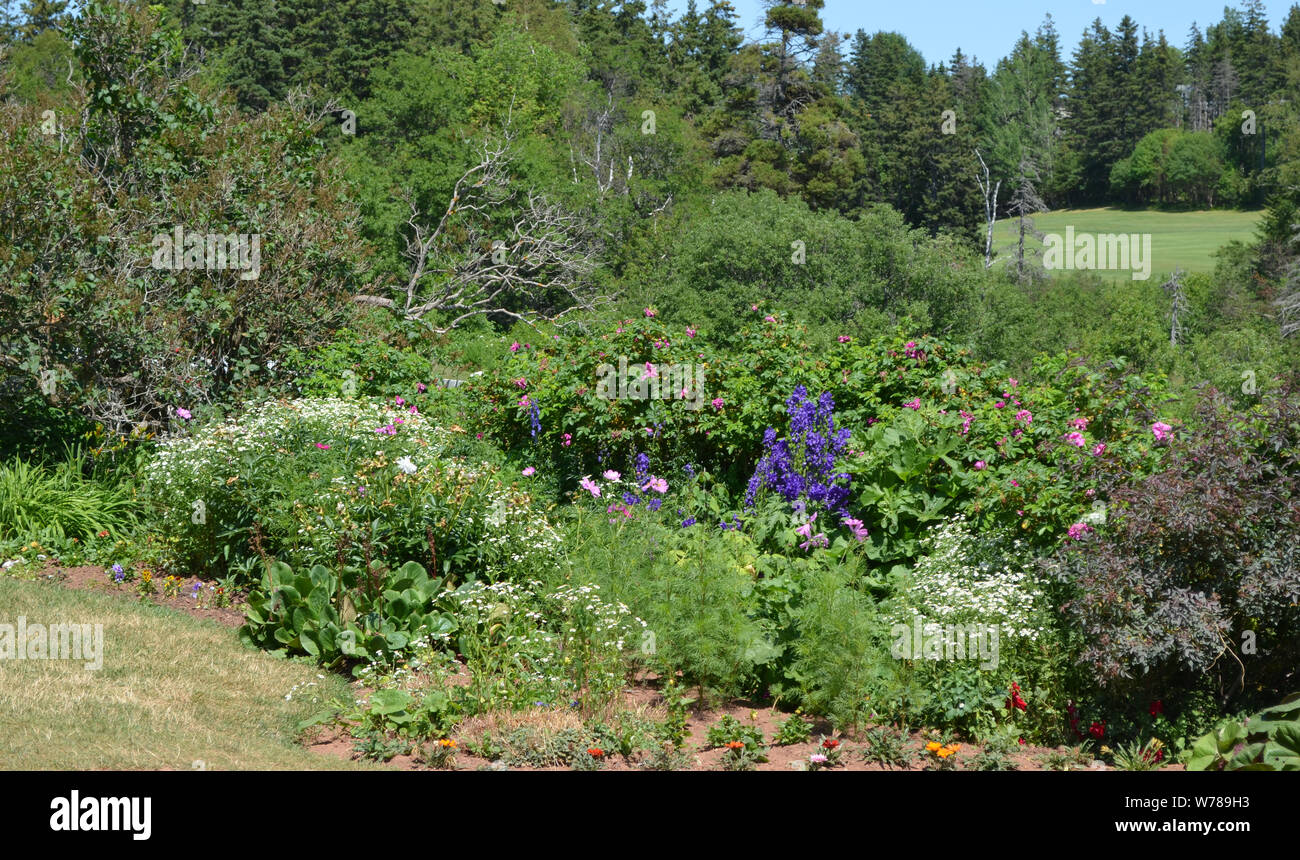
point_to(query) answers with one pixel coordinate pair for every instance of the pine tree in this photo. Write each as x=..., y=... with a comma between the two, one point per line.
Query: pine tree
x=41, y=15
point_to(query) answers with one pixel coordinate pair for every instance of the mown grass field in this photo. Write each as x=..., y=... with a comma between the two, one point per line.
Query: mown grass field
x=173, y=690
x=1185, y=240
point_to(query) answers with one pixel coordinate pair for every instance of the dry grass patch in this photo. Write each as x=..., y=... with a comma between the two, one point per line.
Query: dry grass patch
x=172, y=691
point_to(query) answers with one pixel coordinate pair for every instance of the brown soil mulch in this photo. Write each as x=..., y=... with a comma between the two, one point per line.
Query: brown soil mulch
x=95, y=578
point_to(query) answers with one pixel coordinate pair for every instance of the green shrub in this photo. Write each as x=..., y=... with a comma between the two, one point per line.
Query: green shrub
x=342, y=483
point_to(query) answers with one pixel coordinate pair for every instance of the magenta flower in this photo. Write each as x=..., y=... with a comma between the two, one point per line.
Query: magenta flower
x=980, y=465
x=717, y=403
x=915, y=403
x=1079, y=424
x=1026, y=416
x=1013, y=383
x=659, y=485
x=1078, y=530
x=1076, y=439
x=590, y=486
x=322, y=446
x=844, y=338
x=514, y=347
x=568, y=439
x=650, y=371
x=1161, y=430
x=1099, y=449
x=1001, y=404
x=690, y=332
x=856, y=528
x=421, y=387
x=183, y=414
x=769, y=318
x=521, y=382
x=649, y=312
x=528, y=472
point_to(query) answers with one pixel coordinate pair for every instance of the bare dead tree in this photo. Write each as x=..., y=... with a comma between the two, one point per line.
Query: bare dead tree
x=1177, y=305
x=990, y=192
x=540, y=270
x=1288, y=304
x=604, y=156
x=1023, y=205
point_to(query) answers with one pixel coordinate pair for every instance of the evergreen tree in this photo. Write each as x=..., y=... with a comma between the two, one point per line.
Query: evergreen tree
x=41, y=15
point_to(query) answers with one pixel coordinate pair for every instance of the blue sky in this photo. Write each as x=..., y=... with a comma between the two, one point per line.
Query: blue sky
x=989, y=28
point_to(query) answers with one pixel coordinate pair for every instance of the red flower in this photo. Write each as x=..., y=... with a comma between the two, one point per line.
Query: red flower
x=595, y=752
x=1157, y=707
x=1015, y=701
x=830, y=743
x=1097, y=730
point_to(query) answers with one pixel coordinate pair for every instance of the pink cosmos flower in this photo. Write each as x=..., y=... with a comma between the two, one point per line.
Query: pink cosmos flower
x=1161, y=430
x=659, y=485
x=611, y=475
x=528, y=472
x=590, y=486
x=183, y=414
x=1076, y=439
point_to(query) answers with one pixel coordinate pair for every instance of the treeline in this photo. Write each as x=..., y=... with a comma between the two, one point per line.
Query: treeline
x=843, y=121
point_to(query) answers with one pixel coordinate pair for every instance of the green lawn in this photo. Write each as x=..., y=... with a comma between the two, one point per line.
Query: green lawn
x=1186, y=240
x=173, y=690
